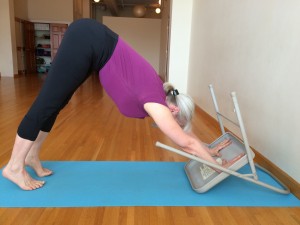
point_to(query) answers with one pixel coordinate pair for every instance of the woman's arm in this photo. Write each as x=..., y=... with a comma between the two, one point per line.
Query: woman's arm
x=168, y=125
x=215, y=150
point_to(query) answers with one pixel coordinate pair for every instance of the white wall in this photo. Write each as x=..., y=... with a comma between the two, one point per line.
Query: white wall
x=140, y=33
x=180, y=37
x=8, y=51
x=164, y=41
x=21, y=9
x=54, y=10
x=251, y=47
x=86, y=12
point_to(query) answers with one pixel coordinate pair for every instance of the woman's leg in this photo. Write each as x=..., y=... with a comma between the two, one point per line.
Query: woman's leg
x=32, y=159
x=80, y=52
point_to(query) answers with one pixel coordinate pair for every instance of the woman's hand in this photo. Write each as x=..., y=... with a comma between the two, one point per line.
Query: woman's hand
x=215, y=151
x=227, y=164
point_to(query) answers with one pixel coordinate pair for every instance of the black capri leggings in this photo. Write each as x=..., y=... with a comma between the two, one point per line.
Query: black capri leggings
x=87, y=45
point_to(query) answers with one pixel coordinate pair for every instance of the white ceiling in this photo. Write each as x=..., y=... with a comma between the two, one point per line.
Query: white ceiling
x=131, y=3
x=137, y=2
x=114, y=5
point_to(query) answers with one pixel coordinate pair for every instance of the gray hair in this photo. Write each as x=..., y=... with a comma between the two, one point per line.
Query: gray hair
x=183, y=102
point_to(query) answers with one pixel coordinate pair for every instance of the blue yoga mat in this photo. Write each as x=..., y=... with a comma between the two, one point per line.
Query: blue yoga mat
x=94, y=183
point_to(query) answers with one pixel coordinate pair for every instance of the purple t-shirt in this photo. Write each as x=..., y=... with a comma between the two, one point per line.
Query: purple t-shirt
x=131, y=81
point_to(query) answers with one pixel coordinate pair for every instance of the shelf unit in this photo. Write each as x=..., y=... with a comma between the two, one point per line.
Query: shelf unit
x=43, y=47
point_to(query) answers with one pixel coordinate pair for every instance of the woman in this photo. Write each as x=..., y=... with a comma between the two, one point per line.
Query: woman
x=129, y=80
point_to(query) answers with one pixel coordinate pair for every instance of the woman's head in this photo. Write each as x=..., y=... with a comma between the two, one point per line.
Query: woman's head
x=181, y=106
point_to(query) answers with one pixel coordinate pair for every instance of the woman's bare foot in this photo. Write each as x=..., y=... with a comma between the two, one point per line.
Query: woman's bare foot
x=36, y=165
x=22, y=179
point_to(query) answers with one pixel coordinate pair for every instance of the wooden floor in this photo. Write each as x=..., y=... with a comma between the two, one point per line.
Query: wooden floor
x=91, y=128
